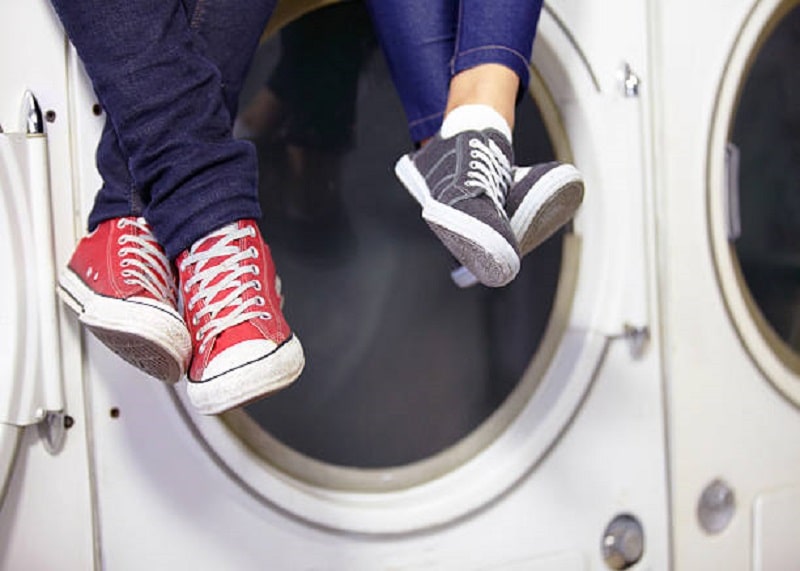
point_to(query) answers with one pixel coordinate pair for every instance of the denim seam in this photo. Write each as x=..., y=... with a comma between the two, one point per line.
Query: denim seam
x=457, y=42
x=424, y=119
x=490, y=47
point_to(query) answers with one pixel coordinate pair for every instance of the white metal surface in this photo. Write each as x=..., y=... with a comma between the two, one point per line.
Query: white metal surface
x=543, y=491
x=143, y=484
x=776, y=519
x=726, y=419
x=32, y=363
x=46, y=517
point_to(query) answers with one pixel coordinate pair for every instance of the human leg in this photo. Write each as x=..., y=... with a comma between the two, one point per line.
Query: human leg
x=164, y=100
x=487, y=54
x=227, y=33
x=162, y=95
x=490, y=68
x=499, y=32
x=427, y=44
x=491, y=85
x=417, y=38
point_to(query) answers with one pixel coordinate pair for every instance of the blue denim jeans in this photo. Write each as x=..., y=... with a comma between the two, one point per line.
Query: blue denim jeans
x=168, y=75
x=426, y=43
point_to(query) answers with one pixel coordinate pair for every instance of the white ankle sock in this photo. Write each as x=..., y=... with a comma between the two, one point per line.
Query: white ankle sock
x=475, y=118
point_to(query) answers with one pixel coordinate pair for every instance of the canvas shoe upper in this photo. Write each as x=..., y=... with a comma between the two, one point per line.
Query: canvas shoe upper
x=122, y=287
x=542, y=199
x=461, y=183
x=242, y=347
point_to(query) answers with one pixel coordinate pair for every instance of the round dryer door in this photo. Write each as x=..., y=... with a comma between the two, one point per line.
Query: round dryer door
x=421, y=400
x=754, y=177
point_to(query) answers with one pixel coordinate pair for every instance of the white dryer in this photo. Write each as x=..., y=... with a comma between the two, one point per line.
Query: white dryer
x=595, y=458
x=727, y=190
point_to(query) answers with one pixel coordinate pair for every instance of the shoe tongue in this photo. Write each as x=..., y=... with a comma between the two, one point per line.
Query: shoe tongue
x=502, y=142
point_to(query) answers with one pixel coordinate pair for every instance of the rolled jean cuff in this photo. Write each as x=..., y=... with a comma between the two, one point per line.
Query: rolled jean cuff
x=511, y=59
x=98, y=216
x=176, y=232
x=114, y=202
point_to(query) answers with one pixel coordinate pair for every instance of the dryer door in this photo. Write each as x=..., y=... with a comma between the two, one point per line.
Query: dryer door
x=439, y=398
x=731, y=279
x=429, y=417
x=754, y=176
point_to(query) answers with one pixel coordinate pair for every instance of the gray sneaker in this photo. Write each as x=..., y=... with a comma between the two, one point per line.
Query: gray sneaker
x=541, y=200
x=461, y=183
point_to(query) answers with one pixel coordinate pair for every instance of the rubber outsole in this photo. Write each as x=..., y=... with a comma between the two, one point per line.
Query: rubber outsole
x=548, y=207
x=150, y=336
x=250, y=382
x=475, y=244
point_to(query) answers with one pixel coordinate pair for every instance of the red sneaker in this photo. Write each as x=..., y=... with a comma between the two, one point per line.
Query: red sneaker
x=243, y=348
x=122, y=287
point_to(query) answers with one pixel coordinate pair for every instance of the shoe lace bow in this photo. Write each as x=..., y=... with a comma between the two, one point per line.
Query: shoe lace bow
x=489, y=171
x=143, y=260
x=223, y=282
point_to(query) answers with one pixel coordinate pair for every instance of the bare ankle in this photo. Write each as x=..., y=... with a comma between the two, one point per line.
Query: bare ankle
x=494, y=85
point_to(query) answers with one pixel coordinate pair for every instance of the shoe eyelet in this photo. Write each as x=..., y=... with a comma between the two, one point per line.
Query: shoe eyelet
x=198, y=337
x=121, y=223
x=253, y=252
x=195, y=321
x=256, y=285
x=255, y=269
x=265, y=316
x=252, y=232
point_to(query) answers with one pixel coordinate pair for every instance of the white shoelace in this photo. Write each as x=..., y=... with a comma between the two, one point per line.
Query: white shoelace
x=228, y=291
x=490, y=171
x=144, y=261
